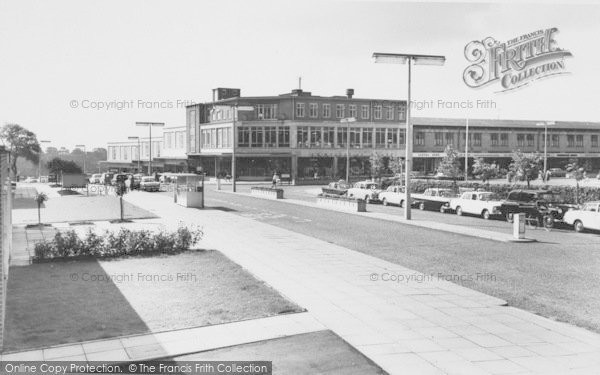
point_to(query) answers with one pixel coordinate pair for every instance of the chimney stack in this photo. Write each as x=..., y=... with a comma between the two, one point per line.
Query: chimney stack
x=349, y=93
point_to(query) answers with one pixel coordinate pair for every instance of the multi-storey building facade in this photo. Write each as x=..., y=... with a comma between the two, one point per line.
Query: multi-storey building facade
x=302, y=135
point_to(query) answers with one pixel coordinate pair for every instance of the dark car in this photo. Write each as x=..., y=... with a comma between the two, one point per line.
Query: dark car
x=542, y=205
x=118, y=178
x=336, y=188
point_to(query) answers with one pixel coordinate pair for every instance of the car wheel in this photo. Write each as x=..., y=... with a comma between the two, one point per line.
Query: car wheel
x=384, y=202
x=459, y=211
x=485, y=214
x=578, y=226
x=548, y=221
x=401, y=204
x=510, y=217
x=443, y=209
x=421, y=206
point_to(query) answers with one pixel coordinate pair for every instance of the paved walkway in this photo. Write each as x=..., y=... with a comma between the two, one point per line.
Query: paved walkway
x=418, y=325
x=174, y=343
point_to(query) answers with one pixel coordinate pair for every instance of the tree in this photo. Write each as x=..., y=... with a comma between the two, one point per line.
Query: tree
x=21, y=143
x=485, y=171
x=376, y=163
x=576, y=172
x=58, y=166
x=121, y=189
x=40, y=198
x=450, y=165
x=395, y=165
x=525, y=166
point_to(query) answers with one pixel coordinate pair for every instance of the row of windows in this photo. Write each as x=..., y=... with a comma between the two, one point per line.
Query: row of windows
x=216, y=138
x=130, y=152
x=329, y=137
x=174, y=139
x=264, y=136
x=501, y=139
x=380, y=112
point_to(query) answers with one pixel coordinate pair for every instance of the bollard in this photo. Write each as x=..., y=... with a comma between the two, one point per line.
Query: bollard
x=218, y=183
x=519, y=226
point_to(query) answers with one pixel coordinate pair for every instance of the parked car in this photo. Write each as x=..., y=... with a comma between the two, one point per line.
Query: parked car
x=557, y=172
x=95, y=178
x=106, y=178
x=437, y=199
x=336, y=188
x=543, y=205
x=394, y=194
x=137, y=178
x=119, y=177
x=31, y=180
x=483, y=203
x=148, y=183
x=588, y=217
x=367, y=190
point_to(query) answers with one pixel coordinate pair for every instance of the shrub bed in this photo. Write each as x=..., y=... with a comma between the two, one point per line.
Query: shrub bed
x=567, y=192
x=342, y=203
x=270, y=192
x=125, y=242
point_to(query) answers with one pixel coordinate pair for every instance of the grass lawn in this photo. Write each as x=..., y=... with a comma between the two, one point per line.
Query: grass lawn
x=310, y=353
x=55, y=303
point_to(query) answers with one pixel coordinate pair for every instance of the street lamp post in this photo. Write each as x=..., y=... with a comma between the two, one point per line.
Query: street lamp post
x=236, y=108
x=467, y=151
x=84, y=155
x=150, y=125
x=348, y=120
x=401, y=58
x=40, y=162
x=545, y=124
x=139, y=155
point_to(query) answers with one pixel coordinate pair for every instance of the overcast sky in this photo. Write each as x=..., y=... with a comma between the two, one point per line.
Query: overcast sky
x=56, y=55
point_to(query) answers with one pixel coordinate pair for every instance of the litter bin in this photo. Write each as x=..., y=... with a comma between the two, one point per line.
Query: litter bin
x=189, y=190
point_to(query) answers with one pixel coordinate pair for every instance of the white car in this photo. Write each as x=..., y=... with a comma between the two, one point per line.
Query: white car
x=393, y=195
x=96, y=178
x=483, y=203
x=367, y=190
x=588, y=217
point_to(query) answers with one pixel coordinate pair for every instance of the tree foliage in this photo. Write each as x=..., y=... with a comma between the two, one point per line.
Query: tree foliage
x=21, y=143
x=485, y=171
x=395, y=165
x=58, y=166
x=377, y=165
x=576, y=172
x=449, y=165
x=525, y=166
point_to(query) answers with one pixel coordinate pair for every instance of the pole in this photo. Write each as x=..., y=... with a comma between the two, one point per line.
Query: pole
x=347, y=151
x=545, y=149
x=139, y=155
x=409, y=144
x=84, y=155
x=150, y=155
x=467, y=152
x=233, y=150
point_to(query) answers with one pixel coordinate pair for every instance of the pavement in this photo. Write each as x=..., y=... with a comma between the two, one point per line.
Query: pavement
x=403, y=320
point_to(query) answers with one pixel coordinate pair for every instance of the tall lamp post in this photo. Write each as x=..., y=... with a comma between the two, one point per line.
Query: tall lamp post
x=348, y=120
x=467, y=151
x=150, y=125
x=139, y=150
x=410, y=59
x=84, y=156
x=40, y=162
x=545, y=124
x=236, y=108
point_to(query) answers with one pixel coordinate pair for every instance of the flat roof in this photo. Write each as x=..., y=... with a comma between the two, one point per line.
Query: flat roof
x=500, y=123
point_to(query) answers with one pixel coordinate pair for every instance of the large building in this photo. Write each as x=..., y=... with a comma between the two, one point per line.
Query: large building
x=301, y=134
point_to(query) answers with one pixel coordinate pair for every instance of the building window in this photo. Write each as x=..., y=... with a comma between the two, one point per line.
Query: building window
x=494, y=139
x=450, y=139
x=367, y=137
x=520, y=140
x=300, y=109
x=256, y=136
x=326, y=110
x=313, y=110
x=364, y=112
x=579, y=140
x=213, y=138
x=113, y=153
x=504, y=140
x=353, y=111
x=340, y=110
x=570, y=141
x=315, y=136
x=302, y=136
x=594, y=141
x=438, y=138
x=401, y=112
x=402, y=139
x=380, y=140
x=192, y=127
x=392, y=138
x=342, y=136
x=227, y=138
x=328, y=136
x=270, y=136
x=284, y=136
x=355, y=137
x=377, y=112
x=219, y=137
x=389, y=112
x=476, y=139
x=243, y=137
x=530, y=140
x=419, y=139
x=266, y=111
x=555, y=140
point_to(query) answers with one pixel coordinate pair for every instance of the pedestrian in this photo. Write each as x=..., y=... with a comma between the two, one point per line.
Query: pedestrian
x=275, y=178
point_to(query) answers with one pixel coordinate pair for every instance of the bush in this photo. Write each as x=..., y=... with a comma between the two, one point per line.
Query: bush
x=125, y=242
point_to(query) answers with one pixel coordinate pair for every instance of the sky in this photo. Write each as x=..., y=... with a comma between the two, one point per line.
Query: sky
x=144, y=60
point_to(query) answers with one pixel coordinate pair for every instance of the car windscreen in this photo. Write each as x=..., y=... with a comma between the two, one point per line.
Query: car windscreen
x=490, y=197
x=148, y=179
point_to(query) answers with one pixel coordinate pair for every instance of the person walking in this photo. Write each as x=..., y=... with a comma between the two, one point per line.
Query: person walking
x=275, y=179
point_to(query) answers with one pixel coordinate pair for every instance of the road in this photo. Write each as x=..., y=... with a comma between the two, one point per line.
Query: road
x=557, y=279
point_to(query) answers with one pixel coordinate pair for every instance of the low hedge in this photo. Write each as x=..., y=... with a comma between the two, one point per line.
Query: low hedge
x=125, y=242
x=263, y=188
x=568, y=193
x=338, y=197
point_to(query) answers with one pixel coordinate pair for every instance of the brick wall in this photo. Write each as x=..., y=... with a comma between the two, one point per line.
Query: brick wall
x=5, y=231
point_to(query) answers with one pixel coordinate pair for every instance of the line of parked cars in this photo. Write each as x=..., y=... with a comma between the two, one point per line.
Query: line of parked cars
x=541, y=207
x=135, y=181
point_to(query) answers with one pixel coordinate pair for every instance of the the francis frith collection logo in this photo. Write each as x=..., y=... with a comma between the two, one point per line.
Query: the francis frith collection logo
x=516, y=62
